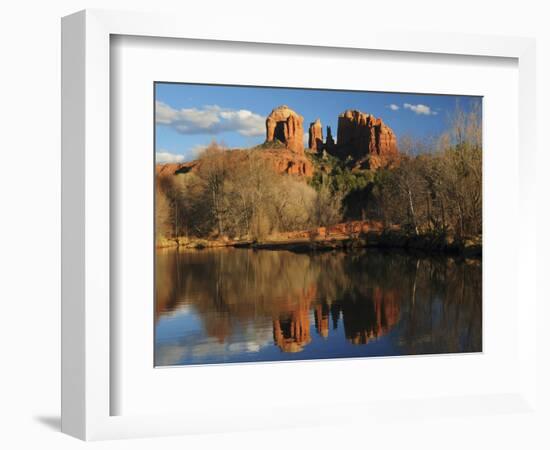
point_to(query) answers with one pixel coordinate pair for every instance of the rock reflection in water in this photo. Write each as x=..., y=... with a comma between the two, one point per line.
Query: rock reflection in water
x=237, y=305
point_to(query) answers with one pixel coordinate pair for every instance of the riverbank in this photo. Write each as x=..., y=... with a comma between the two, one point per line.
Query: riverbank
x=195, y=243
x=386, y=239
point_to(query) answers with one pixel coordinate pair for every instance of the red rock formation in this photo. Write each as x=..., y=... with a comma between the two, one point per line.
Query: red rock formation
x=369, y=320
x=315, y=140
x=387, y=308
x=167, y=169
x=340, y=230
x=286, y=126
x=282, y=161
x=291, y=333
x=287, y=162
x=364, y=137
x=291, y=324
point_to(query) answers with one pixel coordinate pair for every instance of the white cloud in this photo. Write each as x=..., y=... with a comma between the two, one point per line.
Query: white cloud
x=210, y=119
x=393, y=107
x=197, y=149
x=420, y=109
x=163, y=156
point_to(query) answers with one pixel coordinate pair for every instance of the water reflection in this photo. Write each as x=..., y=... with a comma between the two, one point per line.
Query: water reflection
x=236, y=305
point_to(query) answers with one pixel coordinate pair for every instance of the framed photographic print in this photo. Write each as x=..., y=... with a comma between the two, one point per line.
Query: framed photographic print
x=288, y=243
x=247, y=217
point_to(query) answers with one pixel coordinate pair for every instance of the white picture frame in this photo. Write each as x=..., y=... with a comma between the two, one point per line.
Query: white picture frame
x=87, y=356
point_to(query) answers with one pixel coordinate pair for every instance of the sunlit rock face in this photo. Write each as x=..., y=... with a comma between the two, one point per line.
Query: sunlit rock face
x=286, y=161
x=315, y=139
x=365, y=139
x=362, y=136
x=281, y=160
x=286, y=126
x=169, y=169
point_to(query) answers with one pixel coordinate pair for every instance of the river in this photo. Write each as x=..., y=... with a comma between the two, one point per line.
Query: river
x=242, y=305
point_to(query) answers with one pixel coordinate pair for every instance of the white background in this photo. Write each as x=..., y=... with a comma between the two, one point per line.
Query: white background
x=30, y=82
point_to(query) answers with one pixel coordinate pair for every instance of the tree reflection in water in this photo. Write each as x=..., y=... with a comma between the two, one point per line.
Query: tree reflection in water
x=420, y=305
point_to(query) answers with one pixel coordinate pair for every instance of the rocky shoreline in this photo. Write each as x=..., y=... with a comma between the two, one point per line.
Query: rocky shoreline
x=424, y=243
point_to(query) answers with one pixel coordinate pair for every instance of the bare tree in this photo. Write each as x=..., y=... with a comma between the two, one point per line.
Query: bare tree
x=213, y=172
x=162, y=214
x=327, y=207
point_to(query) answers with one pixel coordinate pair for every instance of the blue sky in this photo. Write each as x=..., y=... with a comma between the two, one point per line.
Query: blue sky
x=190, y=116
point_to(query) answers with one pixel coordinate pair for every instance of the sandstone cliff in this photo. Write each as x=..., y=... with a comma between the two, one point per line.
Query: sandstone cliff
x=367, y=140
x=286, y=126
x=281, y=160
x=315, y=140
x=365, y=137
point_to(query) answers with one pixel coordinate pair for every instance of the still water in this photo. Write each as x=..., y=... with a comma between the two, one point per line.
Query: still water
x=240, y=305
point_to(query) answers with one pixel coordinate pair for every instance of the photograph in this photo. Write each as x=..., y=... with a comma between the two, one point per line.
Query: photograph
x=240, y=204
x=302, y=224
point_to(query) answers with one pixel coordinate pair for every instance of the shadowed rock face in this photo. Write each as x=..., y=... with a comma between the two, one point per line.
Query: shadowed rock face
x=361, y=135
x=286, y=126
x=330, y=140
